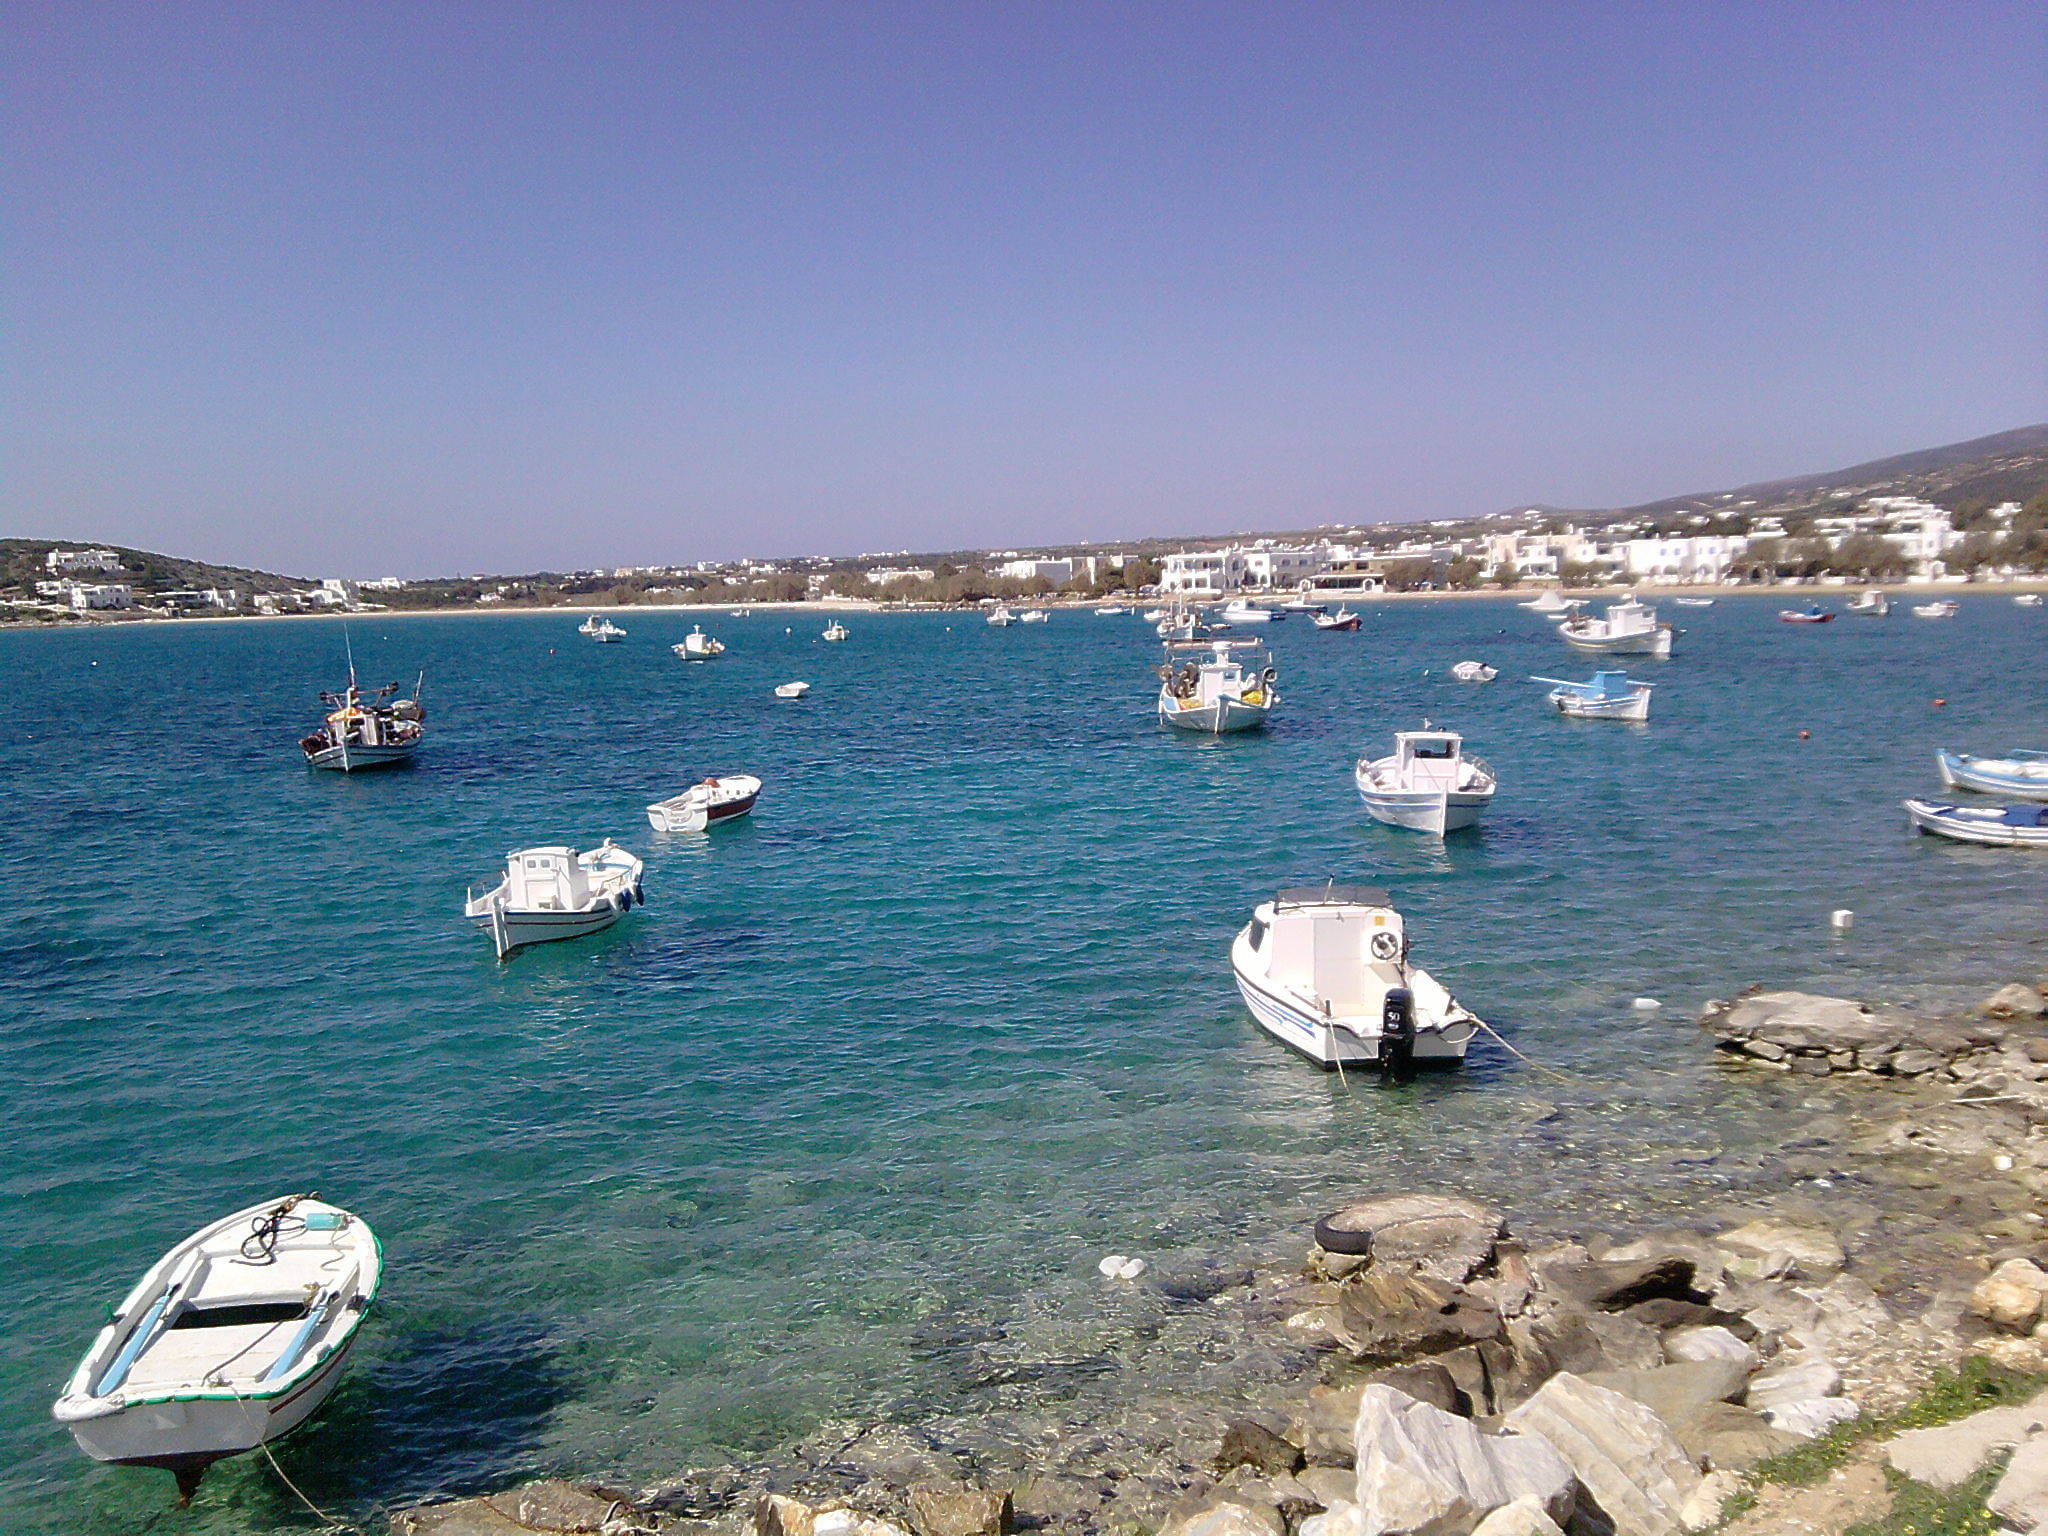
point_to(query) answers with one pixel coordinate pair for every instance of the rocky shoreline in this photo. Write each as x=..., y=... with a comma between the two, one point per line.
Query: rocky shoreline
x=1425, y=1371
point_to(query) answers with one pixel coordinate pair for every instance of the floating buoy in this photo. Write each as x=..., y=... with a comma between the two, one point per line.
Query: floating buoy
x=1842, y=920
x=1647, y=1004
x=1806, y=735
x=1939, y=702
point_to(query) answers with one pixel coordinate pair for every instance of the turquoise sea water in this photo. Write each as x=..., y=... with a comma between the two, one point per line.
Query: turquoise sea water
x=947, y=1020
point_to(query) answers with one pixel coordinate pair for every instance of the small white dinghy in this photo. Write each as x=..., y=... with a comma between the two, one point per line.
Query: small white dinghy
x=1940, y=609
x=702, y=804
x=232, y=1338
x=2028, y=600
x=698, y=646
x=556, y=893
x=1474, y=672
x=1607, y=696
x=2006, y=826
x=2020, y=772
x=791, y=690
x=1428, y=785
x=1325, y=970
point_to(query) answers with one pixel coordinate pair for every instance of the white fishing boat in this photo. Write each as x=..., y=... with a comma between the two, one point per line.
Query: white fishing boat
x=1242, y=610
x=556, y=893
x=2028, y=599
x=1474, y=672
x=791, y=690
x=835, y=631
x=1182, y=624
x=603, y=631
x=1325, y=970
x=2022, y=772
x=1871, y=604
x=1217, y=686
x=1001, y=617
x=366, y=732
x=2007, y=826
x=231, y=1339
x=1551, y=601
x=1111, y=612
x=1693, y=602
x=1035, y=616
x=1154, y=615
x=1629, y=628
x=1342, y=619
x=698, y=646
x=1607, y=696
x=706, y=804
x=1427, y=785
x=741, y=613
x=1303, y=605
x=1942, y=608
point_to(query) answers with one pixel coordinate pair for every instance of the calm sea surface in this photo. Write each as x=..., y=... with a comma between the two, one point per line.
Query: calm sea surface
x=947, y=1020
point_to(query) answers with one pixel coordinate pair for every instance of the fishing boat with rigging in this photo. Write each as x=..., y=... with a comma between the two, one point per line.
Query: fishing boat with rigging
x=1628, y=628
x=602, y=630
x=1216, y=686
x=1606, y=696
x=360, y=732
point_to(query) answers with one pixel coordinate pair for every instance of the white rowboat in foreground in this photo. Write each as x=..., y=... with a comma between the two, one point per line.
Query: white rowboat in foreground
x=700, y=805
x=2022, y=773
x=2005, y=826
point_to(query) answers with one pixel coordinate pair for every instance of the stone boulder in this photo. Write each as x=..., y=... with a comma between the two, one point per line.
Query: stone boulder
x=2012, y=1296
x=1614, y=1285
x=1391, y=1316
x=1793, y=1379
x=1708, y=1342
x=1249, y=1444
x=2020, y=1497
x=1225, y=1516
x=1421, y=1470
x=1770, y=1249
x=1441, y=1236
x=956, y=1509
x=1809, y=1417
x=553, y=1506
x=2015, y=1001
x=1947, y=1454
x=1626, y=1458
x=1811, y=1033
x=1524, y=1517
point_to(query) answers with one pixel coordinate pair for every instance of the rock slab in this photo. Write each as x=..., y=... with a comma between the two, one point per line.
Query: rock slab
x=1626, y=1457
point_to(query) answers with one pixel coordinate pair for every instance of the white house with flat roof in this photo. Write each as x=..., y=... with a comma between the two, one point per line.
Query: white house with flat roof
x=70, y=562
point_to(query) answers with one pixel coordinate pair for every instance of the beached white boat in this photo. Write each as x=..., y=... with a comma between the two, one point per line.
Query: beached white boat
x=791, y=690
x=1551, y=601
x=2028, y=599
x=1427, y=785
x=1629, y=628
x=2008, y=826
x=706, y=804
x=556, y=893
x=1872, y=604
x=835, y=631
x=1035, y=616
x=1941, y=608
x=2023, y=773
x=1343, y=619
x=1216, y=686
x=1474, y=672
x=698, y=646
x=372, y=732
x=231, y=1339
x=1242, y=610
x=603, y=631
x=1325, y=970
x=1607, y=696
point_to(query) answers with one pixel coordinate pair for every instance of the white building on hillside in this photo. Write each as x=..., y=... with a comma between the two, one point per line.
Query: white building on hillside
x=69, y=562
x=1261, y=566
x=1697, y=558
x=1029, y=568
x=881, y=576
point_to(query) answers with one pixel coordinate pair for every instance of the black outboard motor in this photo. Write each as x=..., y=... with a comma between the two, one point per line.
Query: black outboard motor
x=1397, y=1034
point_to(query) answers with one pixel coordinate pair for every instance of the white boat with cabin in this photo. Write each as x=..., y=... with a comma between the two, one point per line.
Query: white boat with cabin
x=1001, y=617
x=794, y=690
x=1217, y=687
x=2027, y=599
x=372, y=732
x=1035, y=616
x=1242, y=610
x=698, y=646
x=835, y=631
x=1871, y=604
x=231, y=1339
x=2003, y=826
x=1342, y=619
x=556, y=893
x=1941, y=608
x=1629, y=628
x=1550, y=602
x=602, y=630
x=1325, y=970
x=702, y=805
x=1427, y=785
x=1607, y=696
x=2021, y=772
x=1181, y=623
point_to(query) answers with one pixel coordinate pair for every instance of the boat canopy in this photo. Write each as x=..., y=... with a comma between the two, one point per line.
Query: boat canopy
x=1334, y=896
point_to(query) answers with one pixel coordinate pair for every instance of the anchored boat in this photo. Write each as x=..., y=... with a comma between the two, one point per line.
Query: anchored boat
x=1607, y=696
x=1342, y=619
x=603, y=631
x=1812, y=613
x=231, y=1339
x=700, y=805
x=698, y=646
x=1218, y=686
x=1940, y=609
x=1474, y=672
x=835, y=631
x=1427, y=785
x=2021, y=772
x=1324, y=969
x=1628, y=629
x=372, y=732
x=2008, y=826
x=1873, y=604
x=556, y=893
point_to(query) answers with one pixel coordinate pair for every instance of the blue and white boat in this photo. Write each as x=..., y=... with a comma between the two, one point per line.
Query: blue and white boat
x=1608, y=696
x=2005, y=826
x=1427, y=785
x=1325, y=971
x=2023, y=773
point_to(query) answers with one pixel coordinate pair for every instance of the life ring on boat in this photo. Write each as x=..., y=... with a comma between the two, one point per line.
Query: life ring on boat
x=1270, y=676
x=1385, y=944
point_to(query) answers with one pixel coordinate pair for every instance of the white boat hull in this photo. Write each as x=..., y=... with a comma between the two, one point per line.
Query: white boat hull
x=353, y=759
x=1978, y=824
x=1653, y=643
x=1961, y=771
x=1434, y=812
x=610, y=885
x=1636, y=707
x=1354, y=1039
x=1216, y=719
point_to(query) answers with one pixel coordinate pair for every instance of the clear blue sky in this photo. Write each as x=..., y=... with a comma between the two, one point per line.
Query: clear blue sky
x=422, y=288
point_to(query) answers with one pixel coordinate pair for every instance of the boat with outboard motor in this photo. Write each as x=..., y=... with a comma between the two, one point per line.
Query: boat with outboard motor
x=602, y=630
x=1629, y=628
x=2021, y=772
x=1812, y=613
x=556, y=893
x=1324, y=970
x=1219, y=686
x=372, y=732
x=1474, y=672
x=1872, y=604
x=1342, y=619
x=1242, y=610
x=1427, y=785
x=705, y=804
x=1606, y=696
x=231, y=1339
x=2005, y=826
x=698, y=646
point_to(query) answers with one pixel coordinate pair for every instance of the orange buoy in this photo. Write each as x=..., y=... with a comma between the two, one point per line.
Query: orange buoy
x=1939, y=702
x=1806, y=735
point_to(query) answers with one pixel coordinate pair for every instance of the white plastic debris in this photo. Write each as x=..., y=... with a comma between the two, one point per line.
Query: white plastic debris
x=1646, y=1004
x=1117, y=1266
x=1843, y=919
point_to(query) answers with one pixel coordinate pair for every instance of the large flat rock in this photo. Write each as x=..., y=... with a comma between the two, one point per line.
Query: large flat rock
x=1627, y=1458
x=1947, y=1454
